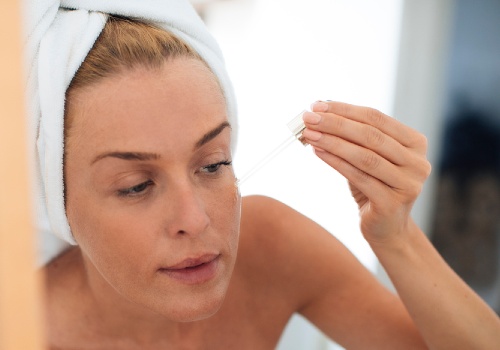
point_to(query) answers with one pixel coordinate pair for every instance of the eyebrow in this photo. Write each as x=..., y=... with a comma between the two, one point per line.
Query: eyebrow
x=212, y=134
x=144, y=156
x=127, y=156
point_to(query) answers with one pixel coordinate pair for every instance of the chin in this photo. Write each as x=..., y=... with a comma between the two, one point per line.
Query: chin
x=187, y=304
x=194, y=311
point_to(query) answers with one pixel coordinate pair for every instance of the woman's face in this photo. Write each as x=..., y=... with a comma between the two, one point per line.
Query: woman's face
x=150, y=193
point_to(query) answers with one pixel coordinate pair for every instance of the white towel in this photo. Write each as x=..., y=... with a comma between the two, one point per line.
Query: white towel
x=60, y=33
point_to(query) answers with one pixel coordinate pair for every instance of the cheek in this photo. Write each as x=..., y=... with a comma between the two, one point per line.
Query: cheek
x=227, y=211
x=110, y=240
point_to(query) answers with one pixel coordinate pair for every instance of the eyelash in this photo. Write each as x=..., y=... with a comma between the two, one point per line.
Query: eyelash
x=136, y=190
x=216, y=166
x=140, y=189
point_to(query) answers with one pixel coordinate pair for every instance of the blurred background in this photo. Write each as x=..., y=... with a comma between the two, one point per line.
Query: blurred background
x=433, y=65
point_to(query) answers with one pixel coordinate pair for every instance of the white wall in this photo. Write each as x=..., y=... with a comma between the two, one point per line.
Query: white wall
x=420, y=94
x=420, y=89
x=282, y=56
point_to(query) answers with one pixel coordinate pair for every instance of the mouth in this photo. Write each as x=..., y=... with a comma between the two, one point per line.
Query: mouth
x=193, y=270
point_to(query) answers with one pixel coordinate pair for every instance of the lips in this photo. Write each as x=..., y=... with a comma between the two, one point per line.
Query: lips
x=193, y=270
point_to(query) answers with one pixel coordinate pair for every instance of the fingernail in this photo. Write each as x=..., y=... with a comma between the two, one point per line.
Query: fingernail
x=319, y=106
x=311, y=118
x=311, y=134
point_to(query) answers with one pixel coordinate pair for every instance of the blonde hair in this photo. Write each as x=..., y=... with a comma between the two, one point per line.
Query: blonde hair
x=126, y=43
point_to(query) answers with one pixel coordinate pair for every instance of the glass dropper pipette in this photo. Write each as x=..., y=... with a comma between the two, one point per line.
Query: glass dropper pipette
x=296, y=126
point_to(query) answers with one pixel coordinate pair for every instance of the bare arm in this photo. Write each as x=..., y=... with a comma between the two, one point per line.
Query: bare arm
x=447, y=312
x=303, y=266
x=385, y=164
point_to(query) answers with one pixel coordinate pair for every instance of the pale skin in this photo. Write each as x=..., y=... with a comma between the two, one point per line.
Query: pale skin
x=148, y=185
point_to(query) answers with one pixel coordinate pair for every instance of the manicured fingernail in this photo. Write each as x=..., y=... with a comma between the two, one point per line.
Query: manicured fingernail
x=311, y=118
x=311, y=134
x=318, y=150
x=319, y=106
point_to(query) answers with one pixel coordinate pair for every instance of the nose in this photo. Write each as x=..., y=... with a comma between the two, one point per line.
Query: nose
x=187, y=211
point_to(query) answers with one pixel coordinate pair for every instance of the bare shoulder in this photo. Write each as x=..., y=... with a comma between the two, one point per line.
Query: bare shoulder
x=63, y=271
x=318, y=276
x=64, y=302
x=272, y=227
x=269, y=230
x=292, y=251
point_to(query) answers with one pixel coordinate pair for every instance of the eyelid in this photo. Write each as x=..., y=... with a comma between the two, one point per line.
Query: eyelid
x=127, y=192
x=216, y=166
x=214, y=152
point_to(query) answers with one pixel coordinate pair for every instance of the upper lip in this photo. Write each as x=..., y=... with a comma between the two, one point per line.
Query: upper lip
x=190, y=262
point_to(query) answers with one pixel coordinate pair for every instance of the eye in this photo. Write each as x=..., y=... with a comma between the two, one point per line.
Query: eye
x=135, y=190
x=214, y=168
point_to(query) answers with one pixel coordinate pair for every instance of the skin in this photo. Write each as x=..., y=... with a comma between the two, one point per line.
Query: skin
x=385, y=164
x=272, y=261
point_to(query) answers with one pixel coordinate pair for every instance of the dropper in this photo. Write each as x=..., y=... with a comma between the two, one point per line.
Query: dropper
x=296, y=126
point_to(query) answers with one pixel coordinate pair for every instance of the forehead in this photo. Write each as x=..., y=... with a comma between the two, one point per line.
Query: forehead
x=142, y=105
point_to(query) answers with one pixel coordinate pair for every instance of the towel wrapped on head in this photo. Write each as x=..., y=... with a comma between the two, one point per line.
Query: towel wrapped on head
x=60, y=34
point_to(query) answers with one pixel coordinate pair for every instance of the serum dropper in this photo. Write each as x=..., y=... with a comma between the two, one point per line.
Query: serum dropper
x=296, y=126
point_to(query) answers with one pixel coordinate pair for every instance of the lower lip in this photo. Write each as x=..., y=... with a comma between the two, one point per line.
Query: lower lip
x=194, y=275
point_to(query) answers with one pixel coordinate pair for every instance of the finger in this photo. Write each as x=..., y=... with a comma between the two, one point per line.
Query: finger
x=361, y=134
x=361, y=158
x=375, y=190
x=390, y=126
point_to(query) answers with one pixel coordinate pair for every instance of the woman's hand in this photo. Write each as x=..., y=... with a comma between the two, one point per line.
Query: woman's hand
x=383, y=160
x=386, y=166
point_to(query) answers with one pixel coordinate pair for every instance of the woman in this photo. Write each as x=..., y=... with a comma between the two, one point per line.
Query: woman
x=170, y=256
